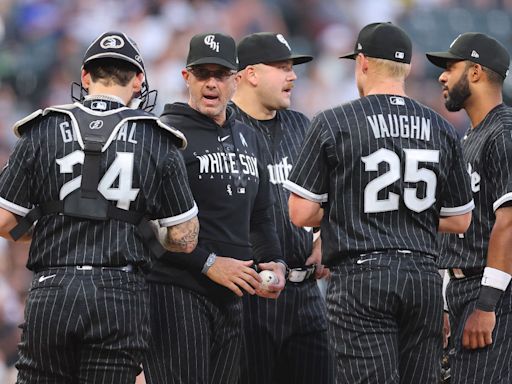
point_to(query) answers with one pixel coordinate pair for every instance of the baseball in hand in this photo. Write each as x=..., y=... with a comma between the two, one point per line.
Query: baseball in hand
x=268, y=278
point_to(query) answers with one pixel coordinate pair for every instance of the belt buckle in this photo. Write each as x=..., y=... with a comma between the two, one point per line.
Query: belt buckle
x=127, y=268
x=297, y=275
x=458, y=273
x=84, y=267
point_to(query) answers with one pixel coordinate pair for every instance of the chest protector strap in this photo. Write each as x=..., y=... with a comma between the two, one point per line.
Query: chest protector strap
x=95, y=132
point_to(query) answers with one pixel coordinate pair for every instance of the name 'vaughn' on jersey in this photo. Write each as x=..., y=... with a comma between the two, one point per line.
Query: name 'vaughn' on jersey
x=395, y=167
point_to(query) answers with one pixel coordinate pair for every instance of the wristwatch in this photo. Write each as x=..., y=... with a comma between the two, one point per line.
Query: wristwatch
x=209, y=262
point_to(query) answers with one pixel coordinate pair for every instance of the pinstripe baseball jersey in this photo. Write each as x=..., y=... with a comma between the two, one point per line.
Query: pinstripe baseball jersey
x=282, y=138
x=141, y=170
x=385, y=168
x=487, y=150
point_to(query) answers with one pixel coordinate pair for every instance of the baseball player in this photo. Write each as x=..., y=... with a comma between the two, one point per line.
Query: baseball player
x=90, y=173
x=480, y=261
x=286, y=339
x=381, y=174
x=196, y=309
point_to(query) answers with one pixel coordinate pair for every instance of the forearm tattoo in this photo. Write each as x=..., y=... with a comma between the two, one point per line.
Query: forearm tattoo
x=183, y=237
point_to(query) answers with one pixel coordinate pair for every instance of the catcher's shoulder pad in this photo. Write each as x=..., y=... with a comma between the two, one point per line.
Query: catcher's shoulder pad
x=182, y=140
x=19, y=126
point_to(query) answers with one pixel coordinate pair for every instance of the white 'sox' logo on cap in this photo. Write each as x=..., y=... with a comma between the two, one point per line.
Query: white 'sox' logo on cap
x=96, y=124
x=209, y=40
x=112, y=42
x=282, y=40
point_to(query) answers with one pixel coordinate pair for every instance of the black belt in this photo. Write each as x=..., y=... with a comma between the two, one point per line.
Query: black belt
x=298, y=275
x=461, y=273
x=128, y=268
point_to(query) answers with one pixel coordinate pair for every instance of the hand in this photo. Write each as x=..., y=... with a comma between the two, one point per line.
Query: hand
x=316, y=258
x=478, y=329
x=234, y=274
x=273, y=291
x=446, y=329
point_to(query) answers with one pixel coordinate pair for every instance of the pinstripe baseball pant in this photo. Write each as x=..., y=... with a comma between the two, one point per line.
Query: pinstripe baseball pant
x=285, y=340
x=385, y=319
x=491, y=364
x=194, y=340
x=84, y=327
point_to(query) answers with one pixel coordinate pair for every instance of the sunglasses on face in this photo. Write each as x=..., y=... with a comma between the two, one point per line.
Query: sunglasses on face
x=202, y=74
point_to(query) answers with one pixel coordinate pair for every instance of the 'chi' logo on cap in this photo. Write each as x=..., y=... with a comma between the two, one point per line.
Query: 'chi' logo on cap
x=112, y=42
x=209, y=40
x=282, y=40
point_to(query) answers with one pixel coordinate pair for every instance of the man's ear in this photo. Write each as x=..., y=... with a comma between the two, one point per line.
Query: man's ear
x=251, y=74
x=85, y=78
x=363, y=63
x=185, y=74
x=475, y=73
x=137, y=82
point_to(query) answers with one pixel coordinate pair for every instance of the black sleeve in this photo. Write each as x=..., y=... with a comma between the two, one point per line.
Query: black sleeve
x=193, y=261
x=264, y=240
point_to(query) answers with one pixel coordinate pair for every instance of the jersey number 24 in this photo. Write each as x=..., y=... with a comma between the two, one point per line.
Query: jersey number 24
x=121, y=167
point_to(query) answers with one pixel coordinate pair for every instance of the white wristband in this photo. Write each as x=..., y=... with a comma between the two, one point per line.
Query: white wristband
x=495, y=278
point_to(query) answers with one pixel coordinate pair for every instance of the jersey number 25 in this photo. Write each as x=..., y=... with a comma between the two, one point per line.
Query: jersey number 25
x=412, y=174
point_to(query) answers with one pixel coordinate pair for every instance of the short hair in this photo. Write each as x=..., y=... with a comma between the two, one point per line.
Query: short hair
x=111, y=71
x=493, y=77
x=390, y=68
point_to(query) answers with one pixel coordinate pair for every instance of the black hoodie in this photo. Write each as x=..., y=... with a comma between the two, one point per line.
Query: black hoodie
x=232, y=191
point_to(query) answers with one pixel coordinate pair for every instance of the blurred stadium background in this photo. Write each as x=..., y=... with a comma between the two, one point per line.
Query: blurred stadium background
x=42, y=42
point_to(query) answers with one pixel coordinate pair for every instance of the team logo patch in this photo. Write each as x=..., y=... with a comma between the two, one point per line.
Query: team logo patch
x=282, y=40
x=96, y=124
x=209, y=40
x=395, y=100
x=99, y=105
x=242, y=138
x=112, y=42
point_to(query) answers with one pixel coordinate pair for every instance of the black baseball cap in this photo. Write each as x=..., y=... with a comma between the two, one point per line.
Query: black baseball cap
x=383, y=41
x=267, y=47
x=476, y=47
x=212, y=48
x=114, y=45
